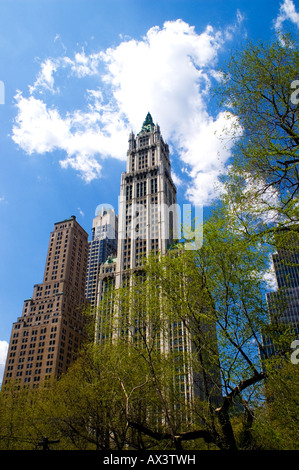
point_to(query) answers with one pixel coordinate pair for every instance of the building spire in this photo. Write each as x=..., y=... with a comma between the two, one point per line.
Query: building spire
x=148, y=124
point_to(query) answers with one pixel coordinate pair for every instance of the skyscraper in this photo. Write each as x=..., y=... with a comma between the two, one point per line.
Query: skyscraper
x=283, y=304
x=148, y=223
x=147, y=207
x=102, y=245
x=45, y=339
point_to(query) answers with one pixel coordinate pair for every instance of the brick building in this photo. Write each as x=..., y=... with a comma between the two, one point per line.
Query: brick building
x=45, y=339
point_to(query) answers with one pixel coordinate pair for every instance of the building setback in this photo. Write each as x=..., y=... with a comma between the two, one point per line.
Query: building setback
x=45, y=339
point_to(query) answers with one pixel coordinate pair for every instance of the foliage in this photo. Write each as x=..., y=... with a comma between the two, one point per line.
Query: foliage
x=276, y=424
x=187, y=318
x=258, y=91
x=23, y=424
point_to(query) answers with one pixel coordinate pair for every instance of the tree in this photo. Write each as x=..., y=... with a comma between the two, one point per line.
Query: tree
x=259, y=92
x=131, y=390
x=23, y=411
x=188, y=317
x=218, y=289
x=143, y=325
x=276, y=425
x=88, y=404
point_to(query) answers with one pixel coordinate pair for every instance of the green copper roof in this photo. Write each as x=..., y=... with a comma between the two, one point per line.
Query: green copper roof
x=148, y=124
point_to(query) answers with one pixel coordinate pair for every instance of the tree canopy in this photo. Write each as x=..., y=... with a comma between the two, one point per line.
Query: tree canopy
x=259, y=90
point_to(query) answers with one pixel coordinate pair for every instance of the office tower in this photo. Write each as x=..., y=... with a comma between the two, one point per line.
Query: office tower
x=45, y=339
x=102, y=245
x=147, y=220
x=283, y=304
x=147, y=206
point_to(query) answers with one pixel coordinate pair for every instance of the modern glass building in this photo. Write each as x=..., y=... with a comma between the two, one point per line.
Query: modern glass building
x=283, y=304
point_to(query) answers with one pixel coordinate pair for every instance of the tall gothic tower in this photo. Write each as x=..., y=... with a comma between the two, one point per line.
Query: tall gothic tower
x=147, y=220
x=147, y=206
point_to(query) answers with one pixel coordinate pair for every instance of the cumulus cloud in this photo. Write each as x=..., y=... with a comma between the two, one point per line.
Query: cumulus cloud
x=287, y=12
x=176, y=179
x=45, y=78
x=81, y=135
x=81, y=65
x=168, y=72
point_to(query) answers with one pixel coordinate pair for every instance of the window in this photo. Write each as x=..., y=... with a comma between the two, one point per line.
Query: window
x=142, y=161
x=154, y=186
x=129, y=192
x=153, y=159
x=141, y=189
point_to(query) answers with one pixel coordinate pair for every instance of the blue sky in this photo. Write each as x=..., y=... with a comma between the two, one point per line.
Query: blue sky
x=78, y=76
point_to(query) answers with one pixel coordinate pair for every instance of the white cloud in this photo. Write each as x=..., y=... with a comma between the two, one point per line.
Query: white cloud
x=45, y=78
x=270, y=277
x=84, y=65
x=287, y=12
x=176, y=179
x=80, y=66
x=3, y=354
x=264, y=201
x=164, y=73
x=259, y=204
x=38, y=129
x=82, y=135
x=240, y=17
x=168, y=72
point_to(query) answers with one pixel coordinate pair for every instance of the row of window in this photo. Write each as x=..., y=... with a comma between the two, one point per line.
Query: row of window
x=143, y=160
x=141, y=189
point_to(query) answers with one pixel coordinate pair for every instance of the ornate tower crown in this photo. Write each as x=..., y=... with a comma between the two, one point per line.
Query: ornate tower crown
x=148, y=125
